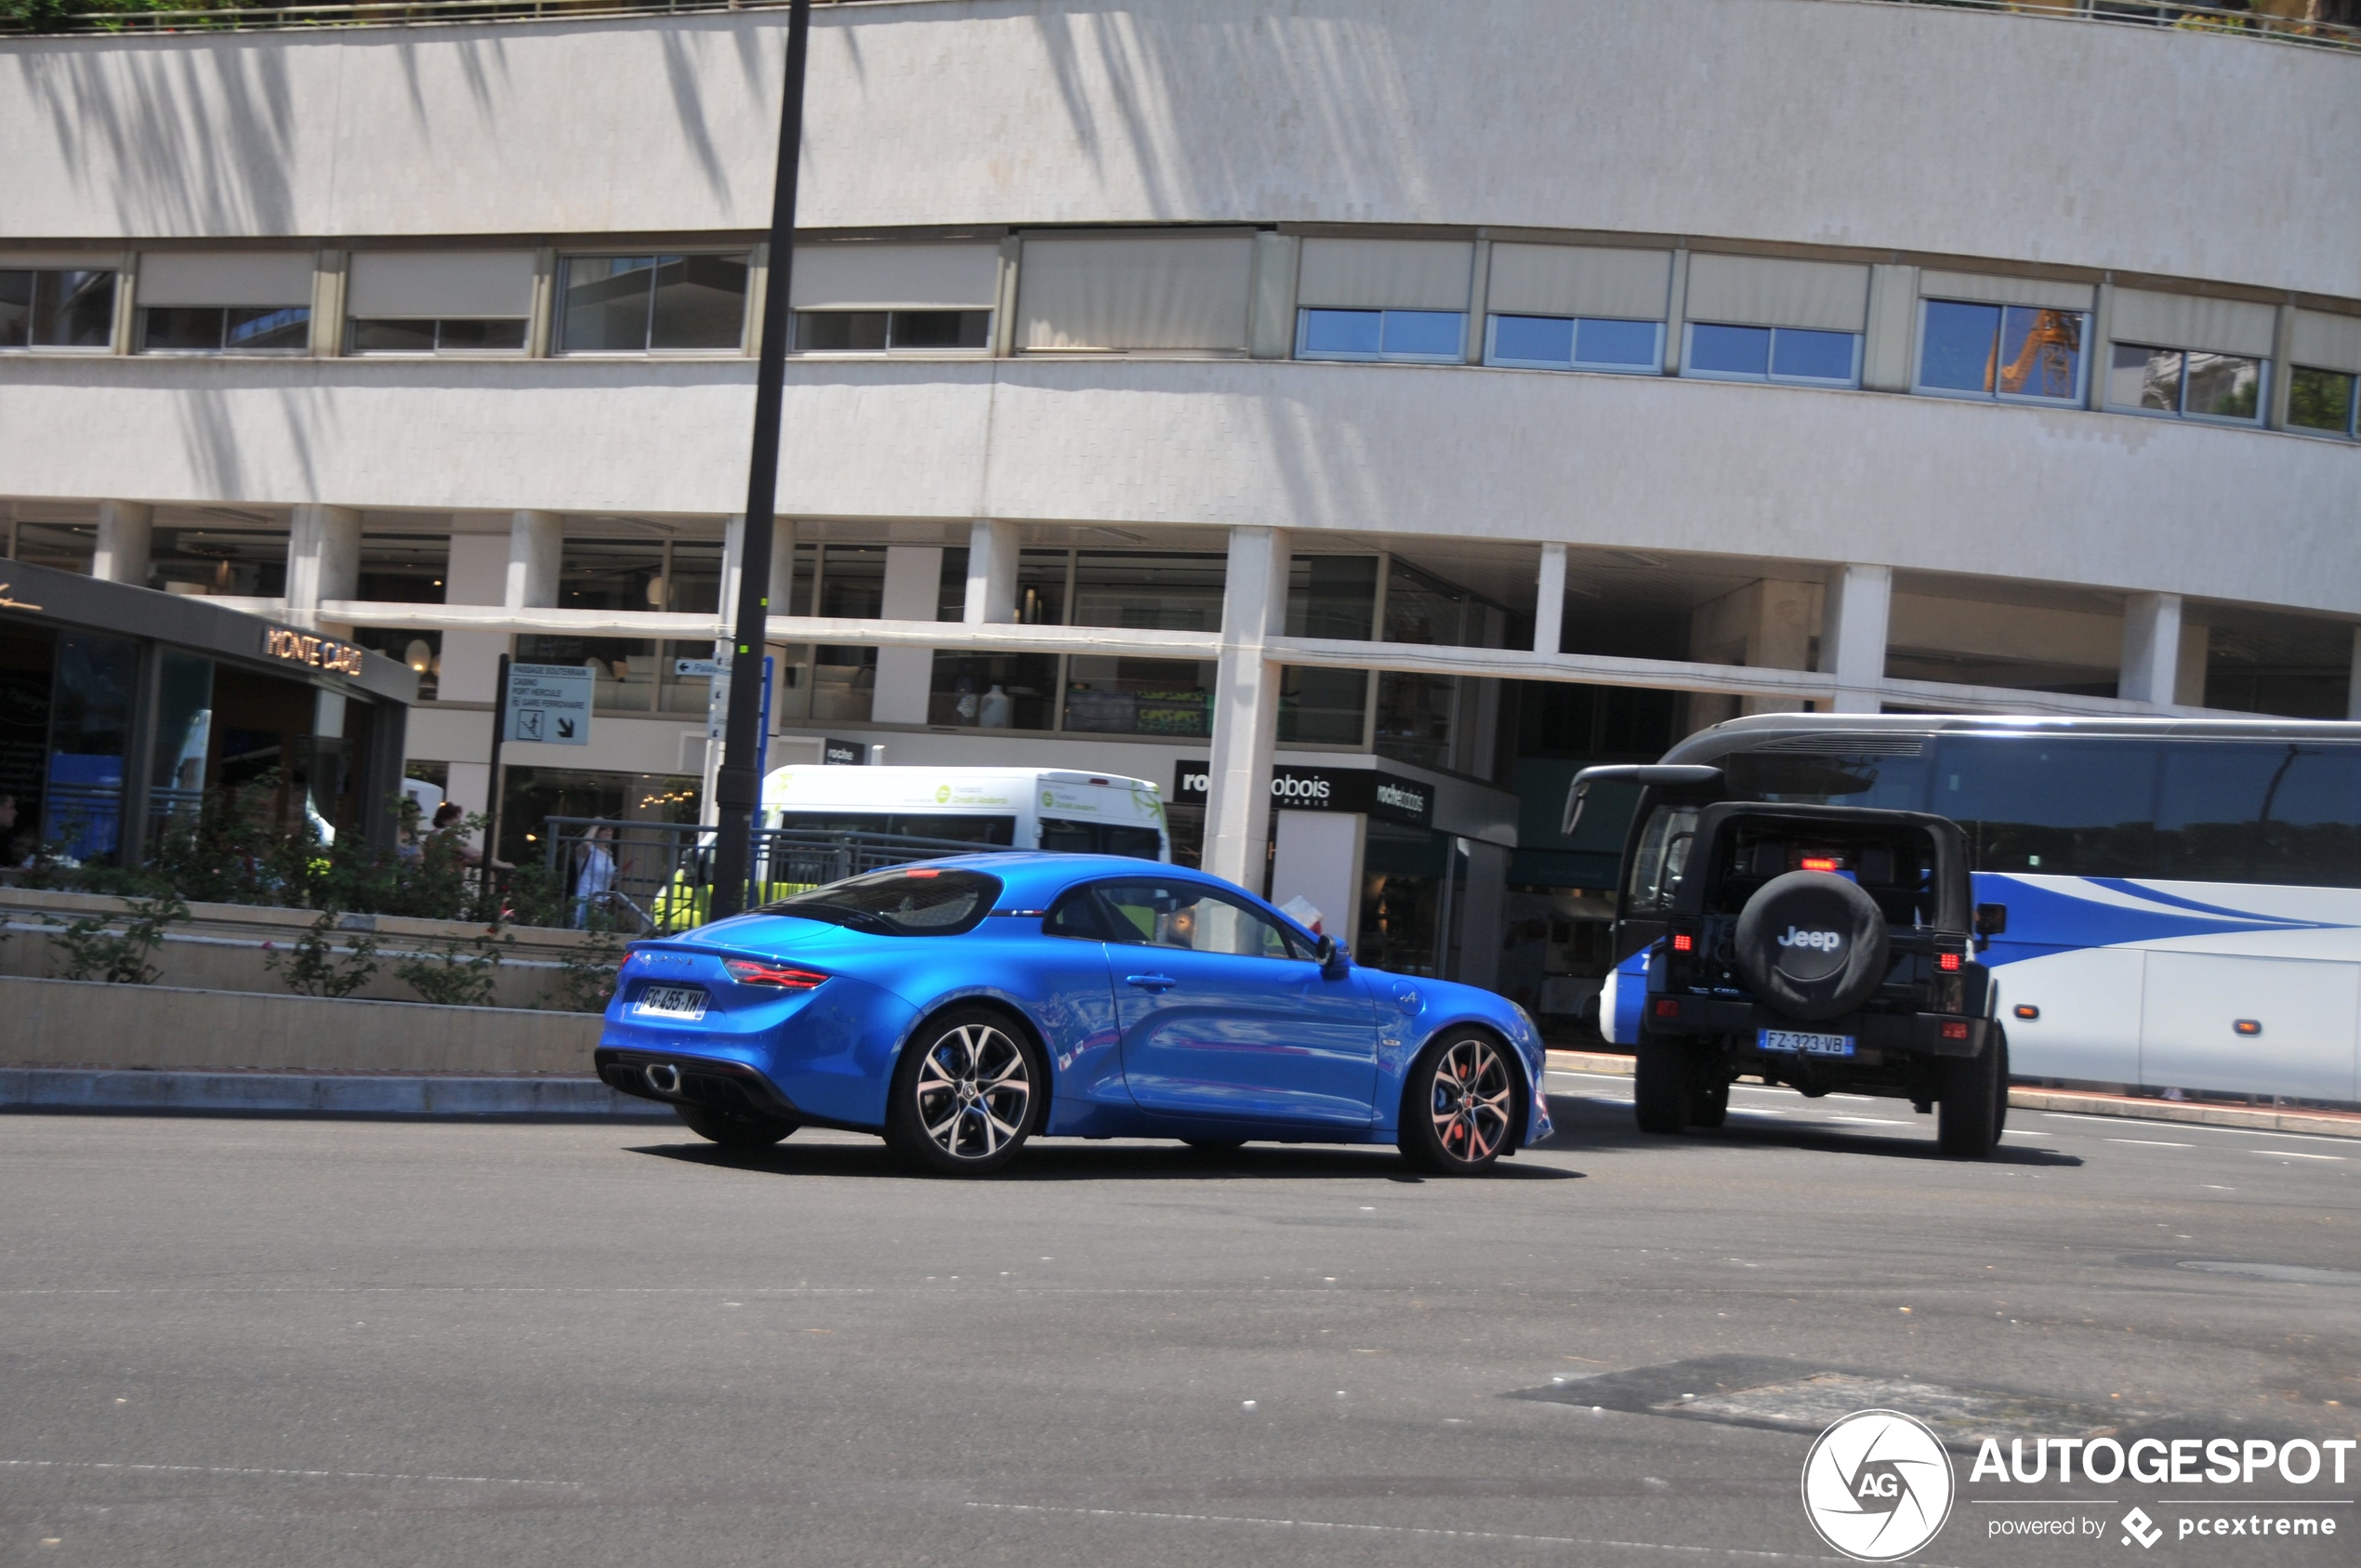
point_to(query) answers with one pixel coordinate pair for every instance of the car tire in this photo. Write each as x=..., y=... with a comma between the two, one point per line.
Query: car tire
x=1709, y=1106
x=1664, y=1088
x=970, y=1089
x=1459, y=1104
x=734, y=1132
x=1975, y=1100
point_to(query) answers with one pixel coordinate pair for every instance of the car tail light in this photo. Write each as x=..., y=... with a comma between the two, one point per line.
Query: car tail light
x=1819, y=862
x=1668, y=1006
x=1684, y=942
x=1946, y=961
x=1954, y=1029
x=748, y=971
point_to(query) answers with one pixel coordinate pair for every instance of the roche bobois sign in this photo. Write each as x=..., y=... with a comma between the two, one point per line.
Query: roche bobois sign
x=1365, y=790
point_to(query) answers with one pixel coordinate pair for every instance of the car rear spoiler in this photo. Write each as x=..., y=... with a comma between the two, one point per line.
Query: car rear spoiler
x=1647, y=775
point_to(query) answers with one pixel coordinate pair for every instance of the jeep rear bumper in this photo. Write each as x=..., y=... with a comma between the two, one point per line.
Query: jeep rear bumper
x=1885, y=1033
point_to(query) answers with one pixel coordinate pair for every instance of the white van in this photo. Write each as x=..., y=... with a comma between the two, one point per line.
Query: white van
x=1008, y=808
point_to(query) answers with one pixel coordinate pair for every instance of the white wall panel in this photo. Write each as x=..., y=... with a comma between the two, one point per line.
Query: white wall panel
x=428, y=285
x=1223, y=111
x=949, y=277
x=226, y=277
x=1662, y=465
x=1385, y=274
x=2328, y=342
x=1988, y=288
x=1769, y=290
x=2189, y=321
x=1579, y=281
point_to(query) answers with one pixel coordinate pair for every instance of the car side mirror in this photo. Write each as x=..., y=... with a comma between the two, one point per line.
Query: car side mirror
x=1334, y=959
x=1991, y=919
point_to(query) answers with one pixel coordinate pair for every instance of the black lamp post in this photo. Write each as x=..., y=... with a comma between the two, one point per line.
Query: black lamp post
x=738, y=786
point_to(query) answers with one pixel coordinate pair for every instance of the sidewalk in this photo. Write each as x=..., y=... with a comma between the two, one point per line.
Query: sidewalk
x=2319, y=1123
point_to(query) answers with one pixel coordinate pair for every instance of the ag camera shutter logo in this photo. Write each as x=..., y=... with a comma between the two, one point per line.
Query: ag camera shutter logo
x=1877, y=1485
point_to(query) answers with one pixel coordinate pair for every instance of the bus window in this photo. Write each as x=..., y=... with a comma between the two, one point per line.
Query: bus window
x=1064, y=836
x=2057, y=806
x=2260, y=812
x=1891, y=782
x=1000, y=832
x=1664, y=854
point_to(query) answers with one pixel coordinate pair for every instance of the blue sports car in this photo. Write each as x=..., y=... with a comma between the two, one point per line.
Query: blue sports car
x=961, y=1007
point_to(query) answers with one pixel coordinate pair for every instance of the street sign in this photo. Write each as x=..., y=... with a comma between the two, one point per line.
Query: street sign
x=717, y=709
x=844, y=754
x=548, y=704
x=706, y=668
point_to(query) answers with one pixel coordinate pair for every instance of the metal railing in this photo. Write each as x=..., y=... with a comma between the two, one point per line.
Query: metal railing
x=659, y=876
x=2314, y=28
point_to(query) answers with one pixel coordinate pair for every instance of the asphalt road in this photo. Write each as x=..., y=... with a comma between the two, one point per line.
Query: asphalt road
x=299, y=1342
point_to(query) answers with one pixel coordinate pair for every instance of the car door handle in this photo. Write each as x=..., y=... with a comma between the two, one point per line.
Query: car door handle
x=1151, y=982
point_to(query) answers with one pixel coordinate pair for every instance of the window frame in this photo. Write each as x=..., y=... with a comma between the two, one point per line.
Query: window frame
x=1381, y=355
x=1492, y=356
x=224, y=349
x=1116, y=926
x=114, y=305
x=354, y=323
x=1771, y=375
x=2351, y=430
x=648, y=350
x=891, y=348
x=2258, y=420
x=2079, y=398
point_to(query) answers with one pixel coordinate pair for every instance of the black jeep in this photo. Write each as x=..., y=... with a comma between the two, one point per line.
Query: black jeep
x=1825, y=947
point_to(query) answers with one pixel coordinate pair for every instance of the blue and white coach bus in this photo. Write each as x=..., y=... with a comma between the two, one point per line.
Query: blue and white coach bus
x=2183, y=896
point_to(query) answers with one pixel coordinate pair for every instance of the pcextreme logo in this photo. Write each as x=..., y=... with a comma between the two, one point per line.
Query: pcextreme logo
x=1877, y=1485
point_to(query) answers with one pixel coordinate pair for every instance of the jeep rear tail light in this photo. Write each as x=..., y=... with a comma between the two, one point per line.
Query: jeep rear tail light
x=1667, y=1007
x=1684, y=942
x=1954, y=1029
x=747, y=971
x=1820, y=862
x=1947, y=961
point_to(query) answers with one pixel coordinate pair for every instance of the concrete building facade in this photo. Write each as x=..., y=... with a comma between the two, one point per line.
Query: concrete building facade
x=1193, y=390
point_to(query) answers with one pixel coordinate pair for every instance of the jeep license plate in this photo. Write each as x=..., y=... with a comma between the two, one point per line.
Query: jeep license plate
x=1794, y=1044
x=673, y=1001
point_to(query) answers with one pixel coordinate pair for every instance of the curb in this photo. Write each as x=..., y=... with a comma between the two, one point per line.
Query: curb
x=2319, y=1124
x=550, y=1098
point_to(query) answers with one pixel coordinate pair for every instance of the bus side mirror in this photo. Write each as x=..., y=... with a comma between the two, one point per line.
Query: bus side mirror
x=1334, y=960
x=1991, y=919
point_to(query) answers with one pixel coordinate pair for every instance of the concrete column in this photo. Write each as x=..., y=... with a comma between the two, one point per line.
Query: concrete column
x=913, y=584
x=1852, y=632
x=536, y=546
x=1484, y=914
x=1549, y=601
x=1892, y=329
x=992, y=573
x=1271, y=315
x=781, y=565
x=126, y=530
x=1316, y=856
x=2151, y=648
x=323, y=560
x=1246, y=706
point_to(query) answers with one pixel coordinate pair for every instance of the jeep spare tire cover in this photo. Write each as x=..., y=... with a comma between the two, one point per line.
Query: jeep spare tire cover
x=1811, y=945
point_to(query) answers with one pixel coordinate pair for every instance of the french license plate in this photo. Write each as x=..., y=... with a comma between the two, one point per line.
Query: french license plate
x=1794, y=1044
x=672, y=1001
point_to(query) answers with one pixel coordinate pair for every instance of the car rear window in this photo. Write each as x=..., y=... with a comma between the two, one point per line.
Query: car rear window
x=905, y=902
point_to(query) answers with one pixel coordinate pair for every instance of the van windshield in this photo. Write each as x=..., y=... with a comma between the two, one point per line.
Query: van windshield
x=909, y=901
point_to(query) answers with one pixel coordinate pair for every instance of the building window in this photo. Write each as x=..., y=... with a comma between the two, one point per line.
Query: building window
x=2185, y=383
x=653, y=304
x=62, y=546
x=2323, y=400
x=2001, y=352
x=454, y=336
x=225, y=329
x=57, y=308
x=1113, y=694
x=882, y=332
x=1416, y=337
x=1328, y=595
x=233, y=563
x=1789, y=354
x=1574, y=343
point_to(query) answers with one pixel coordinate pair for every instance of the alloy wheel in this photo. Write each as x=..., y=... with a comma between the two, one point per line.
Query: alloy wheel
x=1470, y=1100
x=973, y=1090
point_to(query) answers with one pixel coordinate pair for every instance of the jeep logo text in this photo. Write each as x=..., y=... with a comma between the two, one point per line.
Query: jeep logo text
x=1826, y=941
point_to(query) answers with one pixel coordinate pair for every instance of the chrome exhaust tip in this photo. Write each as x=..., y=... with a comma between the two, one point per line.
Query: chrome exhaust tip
x=662, y=1076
